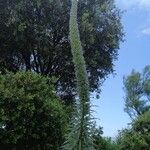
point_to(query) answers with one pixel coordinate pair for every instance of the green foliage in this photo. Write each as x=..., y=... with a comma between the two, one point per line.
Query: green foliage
x=137, y=90
x=74, y=132
x=103, y=143
x=137, y=105
x=79, y=137
x=146, y=82
x=34, y=36
x=130, y=140
x=31, y=116
x=142, y=123
x=138, y=136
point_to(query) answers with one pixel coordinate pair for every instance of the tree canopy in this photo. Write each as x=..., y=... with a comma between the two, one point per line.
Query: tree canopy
x=137, y=105
x=137, y=92
x=35, y=36
x=31, y=115
x=137, y=137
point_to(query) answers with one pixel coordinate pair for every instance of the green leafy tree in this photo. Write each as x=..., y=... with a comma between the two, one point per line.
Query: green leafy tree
x=137, y=92
x=35, y=36
x=142, y=126
x=103, y=143
x=130, y=140
x=138, y=136
x=31, y=116
x=137, y=105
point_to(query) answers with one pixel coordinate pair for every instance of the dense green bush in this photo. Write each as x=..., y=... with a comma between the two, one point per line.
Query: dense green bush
x=130, y=140
x=103, y=143
x=31, y=116
x=138, y=137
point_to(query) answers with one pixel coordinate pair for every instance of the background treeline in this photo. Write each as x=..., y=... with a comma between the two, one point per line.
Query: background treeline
x=137, y=105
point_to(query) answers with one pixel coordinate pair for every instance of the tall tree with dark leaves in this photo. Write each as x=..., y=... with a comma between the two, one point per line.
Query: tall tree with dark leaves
x=34, y=36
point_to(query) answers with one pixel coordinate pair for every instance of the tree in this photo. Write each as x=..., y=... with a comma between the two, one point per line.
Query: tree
x=142, y=126
x=31, y=115
x=137, y=88
x=132, y=141
x=138, y=136
x=137, y=92
x=35, y=37
x=103, y=143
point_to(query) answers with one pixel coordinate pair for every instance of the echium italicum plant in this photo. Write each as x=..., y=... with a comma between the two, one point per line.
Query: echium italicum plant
x=79, y=136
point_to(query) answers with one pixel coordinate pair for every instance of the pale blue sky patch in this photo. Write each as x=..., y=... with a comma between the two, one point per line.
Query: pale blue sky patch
x=146, y=31
x=134, y=53
x=128, y=4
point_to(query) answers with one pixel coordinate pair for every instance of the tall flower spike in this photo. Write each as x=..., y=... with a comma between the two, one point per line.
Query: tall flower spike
x=80, y=134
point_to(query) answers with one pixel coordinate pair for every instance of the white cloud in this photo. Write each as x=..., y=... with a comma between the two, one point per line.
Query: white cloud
x=139, y=6
x=144, y=3
x=127, y=4
x=146, y=31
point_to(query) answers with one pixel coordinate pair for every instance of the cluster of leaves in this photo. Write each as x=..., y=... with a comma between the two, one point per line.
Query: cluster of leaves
x=137, y=137
x=103, y=143
x=137, y=105
x=35, y=36
x=137, y=92
x=31, y=116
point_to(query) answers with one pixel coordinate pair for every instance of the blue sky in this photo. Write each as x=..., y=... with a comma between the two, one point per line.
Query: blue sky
x=134, y=53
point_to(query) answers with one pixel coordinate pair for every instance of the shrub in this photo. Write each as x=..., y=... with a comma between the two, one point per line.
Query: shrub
x=31, y=116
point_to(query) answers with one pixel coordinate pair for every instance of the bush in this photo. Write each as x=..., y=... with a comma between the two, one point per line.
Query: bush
x=138, y=137
x=103, y=143
x=130, y=140
x=31, y=116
